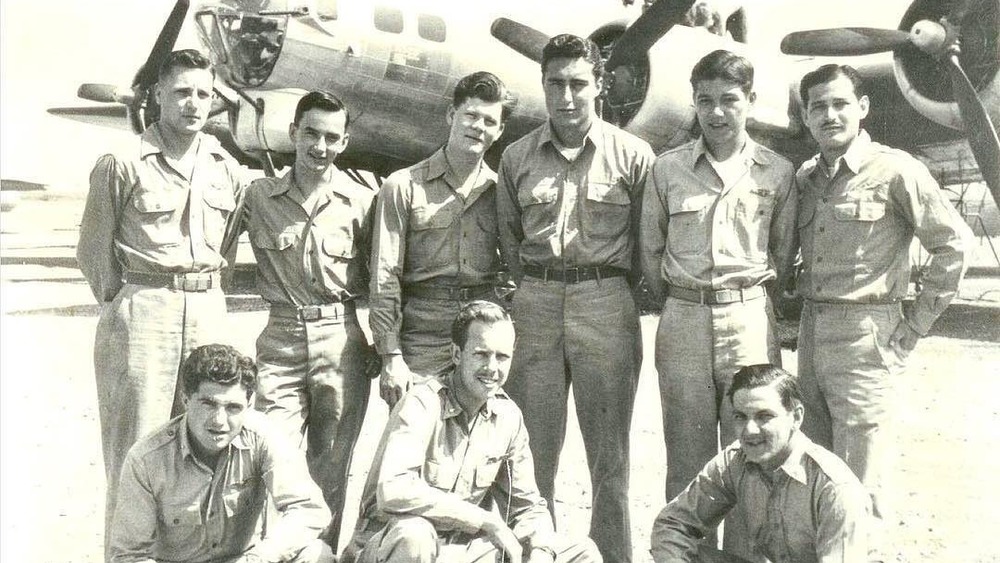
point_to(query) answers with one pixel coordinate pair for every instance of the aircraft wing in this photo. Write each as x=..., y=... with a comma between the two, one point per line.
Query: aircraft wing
x=111, y=116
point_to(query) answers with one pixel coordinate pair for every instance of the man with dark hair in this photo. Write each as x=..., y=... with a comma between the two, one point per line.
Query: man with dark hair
x=717, y=223
x=860, y=206
x=195, y=489
x=799, y=502
x=449, y=445
x=150, y=248
x=310, y=233
x=436, y=240
x=568, y=201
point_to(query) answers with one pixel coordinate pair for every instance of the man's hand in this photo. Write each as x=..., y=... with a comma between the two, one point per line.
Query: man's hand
x=903, y=340
x=395, y=380
x=373, y=363
x=502, y=538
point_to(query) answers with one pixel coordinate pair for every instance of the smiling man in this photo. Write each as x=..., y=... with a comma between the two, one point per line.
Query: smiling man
x=310, y=232
x=568, y=199
x=195, y=489
x=798, y=501
x=717, y=223
x=435, y=241
x=451, y=444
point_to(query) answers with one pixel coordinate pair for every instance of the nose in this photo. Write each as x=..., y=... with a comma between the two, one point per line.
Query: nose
x=320, y=145
x=716, y=110
x=750, y=428
x=217, y=419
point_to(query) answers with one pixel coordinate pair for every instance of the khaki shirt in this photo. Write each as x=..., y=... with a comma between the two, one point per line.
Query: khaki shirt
x=700, y=234
x=305, y=255
x=561, y=214
x=856, y=227
x=425, y=231
x=172, y=508
x=811, y=509
x=436, y=462
x=138, y=217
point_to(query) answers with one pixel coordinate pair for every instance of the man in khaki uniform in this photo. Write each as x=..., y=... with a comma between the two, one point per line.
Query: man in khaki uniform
x=149, y=246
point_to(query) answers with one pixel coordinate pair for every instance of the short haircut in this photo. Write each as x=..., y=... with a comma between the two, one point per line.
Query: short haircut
x=828, y=73
x=567, y=46
x=763, y=375
x=218, y=363
x=487, y=87
x=725, y=65
x=321, y=100
x=184, y=59
x=483, y=311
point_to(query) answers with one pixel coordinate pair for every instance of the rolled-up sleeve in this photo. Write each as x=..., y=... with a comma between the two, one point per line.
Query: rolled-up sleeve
x=95, y=251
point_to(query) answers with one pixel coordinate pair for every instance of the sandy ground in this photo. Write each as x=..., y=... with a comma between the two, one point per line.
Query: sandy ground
x=52, y=474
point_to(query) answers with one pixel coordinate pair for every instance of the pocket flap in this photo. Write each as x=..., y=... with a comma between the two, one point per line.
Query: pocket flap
x=219, y=198
x=154, y=202
x=608, y=192
x=339, y=246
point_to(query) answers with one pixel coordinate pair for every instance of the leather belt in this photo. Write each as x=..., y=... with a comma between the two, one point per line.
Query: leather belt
x=180, y=281
x=573, y=275
x=448, y=293
x=310, y=313
x=716, y=296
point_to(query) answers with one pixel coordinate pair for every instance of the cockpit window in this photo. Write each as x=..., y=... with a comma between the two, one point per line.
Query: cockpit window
x=247, y=45
x=431, y=28
x=389, y=20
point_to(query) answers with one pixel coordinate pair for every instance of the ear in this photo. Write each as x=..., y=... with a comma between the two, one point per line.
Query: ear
x=292, y=128
x=798, y=413
x=449, y=116
x=752, y=98
x=456, y=354
x=864, y=103
x=343, y=142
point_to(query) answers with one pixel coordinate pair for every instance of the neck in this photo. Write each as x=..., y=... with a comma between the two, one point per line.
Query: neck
x=832, y=154
x=572, y=137
x=463, y=164
x=177, y=143
x=726, y=150
x=471, y=405
x=209, y=459
x=307, y=179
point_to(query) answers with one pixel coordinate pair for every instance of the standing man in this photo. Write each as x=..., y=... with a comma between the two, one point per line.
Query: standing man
x=718, y=222
x=149, y=246
x=800, y=503
x=451, y=444
x=436, y=241
x=195, y=489
x=310, y=233
x=568, y=201
x=860, y=205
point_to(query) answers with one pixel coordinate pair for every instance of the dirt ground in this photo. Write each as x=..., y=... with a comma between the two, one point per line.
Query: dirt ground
x=51, y=504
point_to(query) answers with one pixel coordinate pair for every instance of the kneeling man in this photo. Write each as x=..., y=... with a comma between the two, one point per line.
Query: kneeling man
x=450, y=446
x=800, y=502
x=194, y=490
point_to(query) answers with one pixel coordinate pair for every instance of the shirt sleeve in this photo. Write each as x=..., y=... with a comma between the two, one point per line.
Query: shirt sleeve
x=401, y=486
x=944, y=234
x=640, y=173
x=237, y=224
x=302, y=512
x=391, y=221
x=653, y=241
x=782, y=234
x=133, y=527
x=509, y=219
x=844, y=523
x=529, y=514
x=95, y=251
x=687, y=519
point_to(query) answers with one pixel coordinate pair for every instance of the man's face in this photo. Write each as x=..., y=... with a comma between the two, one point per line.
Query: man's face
x=834, y=113
x=570, y=92
x=319, y=138
x=764, y=426
x=185, y=98
x=475, y=125
x=722, y=108
x=215, y=415
x=482, y=365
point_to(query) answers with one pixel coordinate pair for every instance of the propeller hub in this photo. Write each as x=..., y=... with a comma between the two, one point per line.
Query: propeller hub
x=928, y=36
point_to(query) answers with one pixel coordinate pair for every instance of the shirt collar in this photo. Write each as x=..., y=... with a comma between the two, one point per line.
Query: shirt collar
x=437, y=165
x=751, y=152
x=151, y=142
x=239, y=442
x=794, y=466
x=857, y=154
x=452, y=408
x=335, y=186
x=593, y=134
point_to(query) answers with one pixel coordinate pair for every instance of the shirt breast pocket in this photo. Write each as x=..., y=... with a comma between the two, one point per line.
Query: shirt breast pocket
x=238, y=498
x=686, y=233
x=157, y=214
x=428, y=217
x=338, y=246
x=608, y=208
x=753, y=222
x=442, y=475
x=219, y=205
x=181, y=527
x=487, y=474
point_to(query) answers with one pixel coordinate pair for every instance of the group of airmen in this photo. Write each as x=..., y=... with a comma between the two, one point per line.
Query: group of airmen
x=412, y=286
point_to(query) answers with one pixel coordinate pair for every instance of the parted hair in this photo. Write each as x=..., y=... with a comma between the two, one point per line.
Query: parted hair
x=568, y=46
x=322, y=100
x=487, y=87
x=184, y=59
x=762, y=375
x=827, y=73
x=725, y=65
x=482, y=311
x=218, y=363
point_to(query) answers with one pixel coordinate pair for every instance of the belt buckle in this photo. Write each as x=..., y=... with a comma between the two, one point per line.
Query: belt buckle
x=575, y=276
x=311, y=313
x=462, y=293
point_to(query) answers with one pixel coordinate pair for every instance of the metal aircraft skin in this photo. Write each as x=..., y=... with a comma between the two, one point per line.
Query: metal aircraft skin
x=395, y=62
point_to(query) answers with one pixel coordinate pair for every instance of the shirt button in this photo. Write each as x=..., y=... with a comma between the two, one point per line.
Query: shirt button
x=177, y=520
x=819, y=290
x=819, y=259
x=822, y=229
x=215, y=544
x=824, y=200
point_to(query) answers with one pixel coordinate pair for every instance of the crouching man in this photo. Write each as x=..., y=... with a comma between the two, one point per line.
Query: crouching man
x=800, y=502
x=194, y=490
x=449, y=445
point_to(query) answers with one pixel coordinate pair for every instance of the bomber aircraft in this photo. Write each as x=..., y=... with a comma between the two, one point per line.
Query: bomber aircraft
x=394, y=63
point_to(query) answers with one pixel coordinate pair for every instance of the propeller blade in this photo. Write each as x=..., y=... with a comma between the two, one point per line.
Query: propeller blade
x=115, y=117
x=105, y=93
x=647, y=30
x=844, y=41
x=979, y=130
x=164, y=44
x=526, y=40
